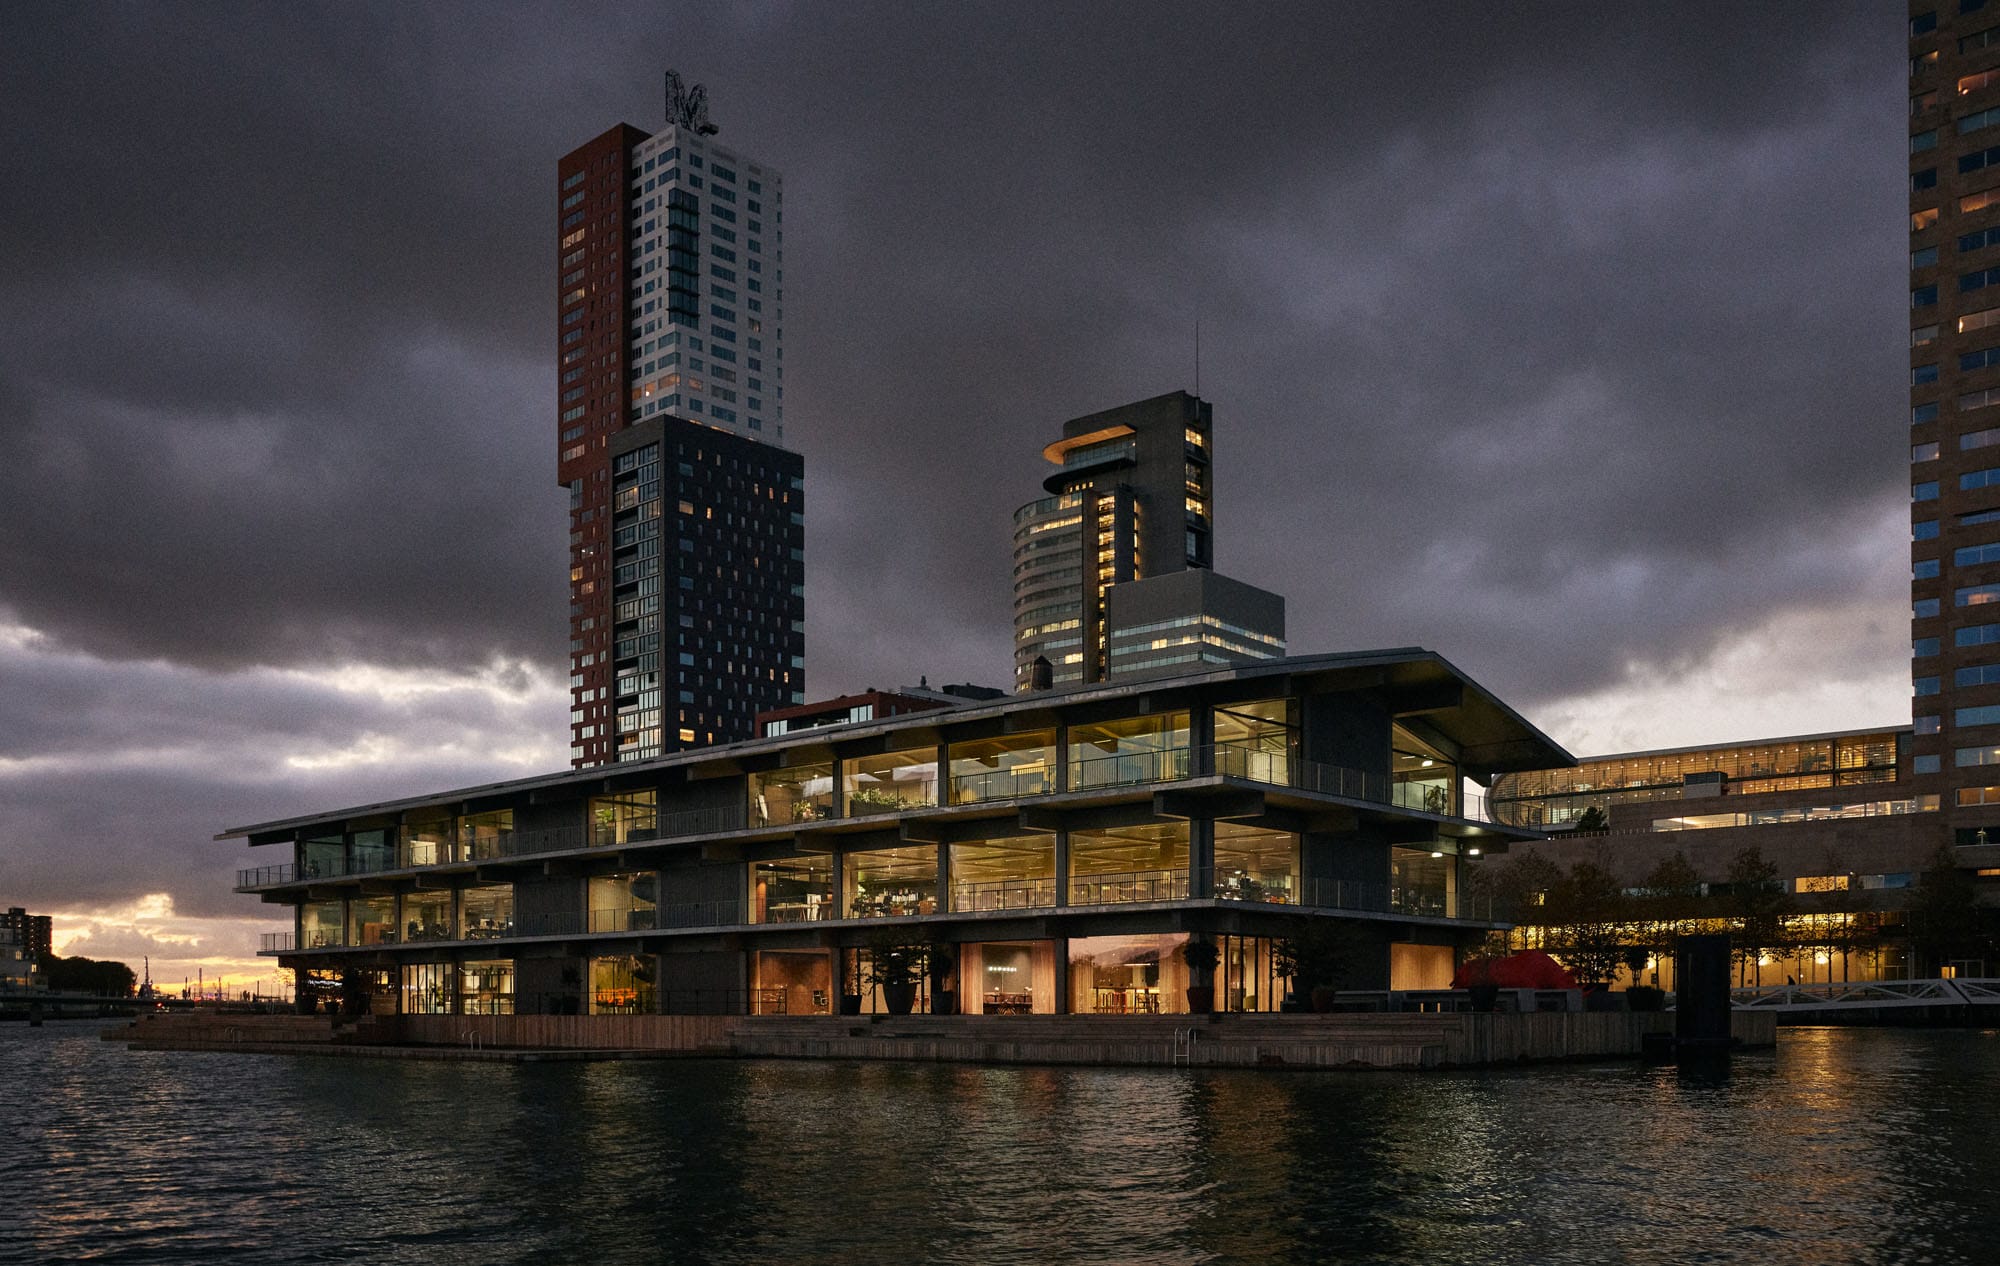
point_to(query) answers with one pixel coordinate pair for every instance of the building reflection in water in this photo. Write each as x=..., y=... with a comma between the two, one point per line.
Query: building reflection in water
x=1846, y=1146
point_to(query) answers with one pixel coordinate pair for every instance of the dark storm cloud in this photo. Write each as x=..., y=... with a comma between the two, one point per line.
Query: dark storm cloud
x=1586, y=290
x=1559, y=339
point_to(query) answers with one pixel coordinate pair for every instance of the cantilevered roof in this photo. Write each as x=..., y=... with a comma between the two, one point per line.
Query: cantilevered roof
x=1492, y=738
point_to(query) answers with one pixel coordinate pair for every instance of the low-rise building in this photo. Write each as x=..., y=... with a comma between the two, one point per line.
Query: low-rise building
x=1063, y=844
x=1835, y=819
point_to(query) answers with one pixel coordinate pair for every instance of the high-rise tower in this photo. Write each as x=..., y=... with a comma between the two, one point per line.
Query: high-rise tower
x=1132, y=499
x=687, y=541
x=1955, y=406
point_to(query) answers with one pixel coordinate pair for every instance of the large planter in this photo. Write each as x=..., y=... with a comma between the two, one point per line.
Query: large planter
x=1322, y=998
x=900, y=999
x=850, y=1004
x=1484, y=997
x=1201, y=999
x=1646, y=998
x=944, y=1002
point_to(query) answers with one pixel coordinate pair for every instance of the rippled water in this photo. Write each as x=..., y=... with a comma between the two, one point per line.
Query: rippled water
x=1846, y=1146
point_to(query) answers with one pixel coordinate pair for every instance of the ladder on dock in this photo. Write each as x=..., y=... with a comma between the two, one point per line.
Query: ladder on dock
x=1184, y=1039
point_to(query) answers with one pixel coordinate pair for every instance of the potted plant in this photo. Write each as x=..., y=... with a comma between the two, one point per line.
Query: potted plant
x=1642, y=997
x=850, y=992
x=896, y=967
x=1318, y=955
x=1480, y=985
x=941, y=961
x=1201, y=956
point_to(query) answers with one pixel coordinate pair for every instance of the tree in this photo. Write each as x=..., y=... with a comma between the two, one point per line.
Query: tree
x=1588, y=913
x=1672, y=905
x=1517, y=887
x=1759, y=903
x=1944, y=917
x=1593, y=819
x=1316, y=953
x=85, y=975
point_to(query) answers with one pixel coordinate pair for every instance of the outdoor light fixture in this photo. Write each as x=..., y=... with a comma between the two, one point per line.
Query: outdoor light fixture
x=1472, y=852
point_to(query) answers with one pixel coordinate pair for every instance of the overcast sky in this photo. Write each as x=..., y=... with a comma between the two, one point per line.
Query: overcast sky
x=1567, y=341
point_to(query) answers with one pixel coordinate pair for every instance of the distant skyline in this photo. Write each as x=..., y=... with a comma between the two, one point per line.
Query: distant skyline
x=1564, y=342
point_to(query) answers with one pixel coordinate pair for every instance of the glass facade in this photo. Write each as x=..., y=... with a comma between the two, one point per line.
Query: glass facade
x=791, y=982
x=890, y=882
x=1008, y=977
x=626, y=818
x=427, y=988
x=1129, y=863
x=1558, y=796
x=322, y=924
x=1422, y=777
x=1007, y=873
x=624, y=984
x=1423, y=880
x=486, y=987
x=427, y=916
x=486, y=912
x=1138, y=749
x=483, y=836
x=1003, y=768
x=1255, y=864
x=792, y=890
x=371, y=921
x=1258, y=740
x=430, y=839
x=890, y=781
x=800, y=793
x=625, y=902
x=1127, y=975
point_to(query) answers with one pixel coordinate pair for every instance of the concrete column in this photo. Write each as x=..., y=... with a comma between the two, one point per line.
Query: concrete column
x=1062, y=868
x=1201, y=857
x=1062, y=975
x=1201, y=737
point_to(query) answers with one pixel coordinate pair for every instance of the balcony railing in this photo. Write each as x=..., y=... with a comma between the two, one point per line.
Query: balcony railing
x=1423, y=900
x=1003, y=894
x=1127, y=769
x=1230, y=883
x=673, y=826
x=1000, y=784
x=702, y=914
x=1128, y=886
x=266, y=877
x=806, y=908
x=506, y=844
x=624, y=919
x=274, y=942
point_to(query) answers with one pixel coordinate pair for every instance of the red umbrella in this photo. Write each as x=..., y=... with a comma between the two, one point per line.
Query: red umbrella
x=1529, y=969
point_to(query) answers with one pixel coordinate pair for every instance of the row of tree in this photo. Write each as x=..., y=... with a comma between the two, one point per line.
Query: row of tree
x=88, y=975
x=1596, y=923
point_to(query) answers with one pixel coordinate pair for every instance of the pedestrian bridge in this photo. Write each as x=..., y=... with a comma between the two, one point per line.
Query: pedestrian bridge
x=1889, y=1001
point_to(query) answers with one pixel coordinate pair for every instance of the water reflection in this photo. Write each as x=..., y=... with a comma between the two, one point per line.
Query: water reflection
x=1848, y=1146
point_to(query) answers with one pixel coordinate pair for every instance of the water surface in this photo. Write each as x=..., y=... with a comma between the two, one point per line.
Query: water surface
x=1844, y=1146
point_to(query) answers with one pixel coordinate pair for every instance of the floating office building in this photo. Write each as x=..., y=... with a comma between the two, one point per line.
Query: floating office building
x=1061, y=845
